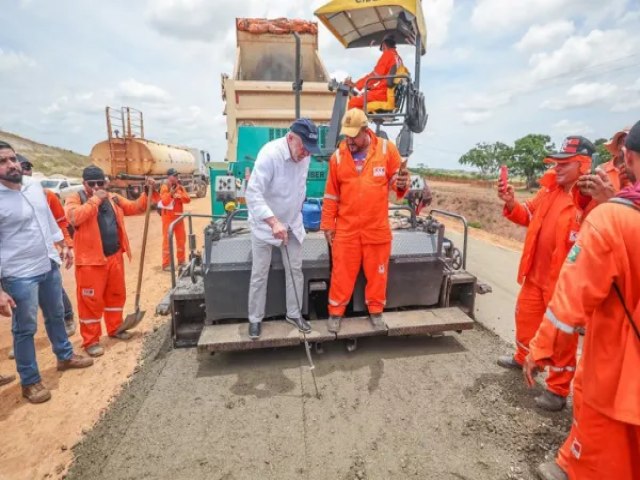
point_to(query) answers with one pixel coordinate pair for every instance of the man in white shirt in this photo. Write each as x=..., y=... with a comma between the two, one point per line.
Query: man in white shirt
x=275, y=194
x=30, y=247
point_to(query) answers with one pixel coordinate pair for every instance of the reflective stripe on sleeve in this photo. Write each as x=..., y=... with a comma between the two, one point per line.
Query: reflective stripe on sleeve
x=563, y=327
x=328, y=196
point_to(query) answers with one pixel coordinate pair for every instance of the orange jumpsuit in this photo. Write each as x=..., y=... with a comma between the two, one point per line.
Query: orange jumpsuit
x=100, y=280
x=376, y=90
x=553, y=222
x=605, y=439
x=356, y=206
x=171, y=204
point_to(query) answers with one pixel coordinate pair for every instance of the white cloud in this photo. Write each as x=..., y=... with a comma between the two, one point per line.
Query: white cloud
x=569, y=127
x=485, y=101
x=583, y=95
x=539, y=36
x=132, y=90
x=474, y=118
x=12, y=61
x=594, y=53
x=438, y=15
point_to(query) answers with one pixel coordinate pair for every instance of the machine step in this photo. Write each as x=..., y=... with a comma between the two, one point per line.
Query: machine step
x=234, y=337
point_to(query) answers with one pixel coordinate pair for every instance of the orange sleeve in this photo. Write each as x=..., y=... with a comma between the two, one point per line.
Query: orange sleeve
x=383, y=67
x=58, y=214
x=165, y=195
x=393, y=166
x=78, y=213
x=585, y=281
x=522, y=213
x=183, y=194
x=135, y=207
x=331, y=197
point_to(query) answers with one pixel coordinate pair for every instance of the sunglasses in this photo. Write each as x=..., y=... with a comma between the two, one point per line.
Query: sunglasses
x=95, y=183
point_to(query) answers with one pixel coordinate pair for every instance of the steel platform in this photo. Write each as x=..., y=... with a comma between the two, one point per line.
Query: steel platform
x=278, y=333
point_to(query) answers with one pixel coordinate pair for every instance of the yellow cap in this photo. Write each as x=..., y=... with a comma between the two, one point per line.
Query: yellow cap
x=353, y=121
x=229, y=206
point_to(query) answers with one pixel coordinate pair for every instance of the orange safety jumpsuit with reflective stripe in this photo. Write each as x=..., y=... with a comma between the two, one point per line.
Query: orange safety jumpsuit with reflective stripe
x=356, y=207
x=58, y=214
x=564, y=452
x=172, y=206
x=551, y=212
x=100, y=280
x=606, y=431
x=376, y=89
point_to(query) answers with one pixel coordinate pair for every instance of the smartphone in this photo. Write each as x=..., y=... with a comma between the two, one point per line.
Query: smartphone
x=595, y=162
x=504, y=177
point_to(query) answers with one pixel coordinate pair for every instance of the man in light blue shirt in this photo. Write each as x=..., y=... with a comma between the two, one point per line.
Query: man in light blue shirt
x=31, y=246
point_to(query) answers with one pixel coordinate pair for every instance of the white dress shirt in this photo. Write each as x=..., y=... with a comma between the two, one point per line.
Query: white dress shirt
x=277, y=188
x=27, y=231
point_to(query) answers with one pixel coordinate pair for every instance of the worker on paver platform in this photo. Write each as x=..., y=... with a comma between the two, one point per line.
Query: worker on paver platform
x=173, y=196
x=355, y=215
x=377, y=90
x=100, y=240
x=599, y=288
x=275, y=194
x=553, y=220
x=58, y=214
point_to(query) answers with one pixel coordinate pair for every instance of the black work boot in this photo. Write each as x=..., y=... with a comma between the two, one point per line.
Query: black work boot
x=299, y=322
x=507, y=361
x=551, y=471
x=255, y=329
x=550, y=401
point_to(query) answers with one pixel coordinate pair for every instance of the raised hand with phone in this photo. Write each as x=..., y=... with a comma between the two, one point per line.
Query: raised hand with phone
x=506, y=191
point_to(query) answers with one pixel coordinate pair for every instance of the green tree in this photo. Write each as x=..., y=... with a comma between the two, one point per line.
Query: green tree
x=603, y=154
x=528, y=155
x=487, y=157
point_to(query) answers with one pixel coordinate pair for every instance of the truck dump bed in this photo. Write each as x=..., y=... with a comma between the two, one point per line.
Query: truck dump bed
x=260, y=92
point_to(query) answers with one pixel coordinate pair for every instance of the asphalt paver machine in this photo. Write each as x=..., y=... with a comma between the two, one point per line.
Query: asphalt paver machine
x=429, y=290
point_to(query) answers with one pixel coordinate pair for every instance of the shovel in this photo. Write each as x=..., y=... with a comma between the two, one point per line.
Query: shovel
x=133, y=319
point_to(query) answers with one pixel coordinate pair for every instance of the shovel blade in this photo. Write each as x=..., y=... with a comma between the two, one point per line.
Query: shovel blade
x=131, y=320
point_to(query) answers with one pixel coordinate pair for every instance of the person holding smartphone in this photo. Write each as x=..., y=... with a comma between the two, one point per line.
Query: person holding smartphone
x=355, y=215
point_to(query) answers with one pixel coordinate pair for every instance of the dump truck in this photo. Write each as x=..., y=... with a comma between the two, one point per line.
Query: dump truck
x=127, y=157
x=429, y=290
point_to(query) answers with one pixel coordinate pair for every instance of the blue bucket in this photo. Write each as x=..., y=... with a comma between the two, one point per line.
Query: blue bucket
x=311, y=213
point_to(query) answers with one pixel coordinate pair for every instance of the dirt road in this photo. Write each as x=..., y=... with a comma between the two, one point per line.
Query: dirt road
x=429, y=408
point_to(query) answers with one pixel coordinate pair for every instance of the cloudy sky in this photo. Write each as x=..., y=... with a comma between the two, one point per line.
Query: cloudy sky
x=494, y=70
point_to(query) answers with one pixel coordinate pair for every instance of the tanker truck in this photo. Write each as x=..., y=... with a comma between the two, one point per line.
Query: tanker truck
x=127, y=157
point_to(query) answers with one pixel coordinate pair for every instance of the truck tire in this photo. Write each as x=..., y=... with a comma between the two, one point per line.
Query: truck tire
x=201, y=190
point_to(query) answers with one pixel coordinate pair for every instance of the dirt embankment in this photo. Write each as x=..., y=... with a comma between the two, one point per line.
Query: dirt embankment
x=480, y=205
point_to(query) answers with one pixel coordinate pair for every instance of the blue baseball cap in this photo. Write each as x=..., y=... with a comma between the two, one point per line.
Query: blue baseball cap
x=308, y=132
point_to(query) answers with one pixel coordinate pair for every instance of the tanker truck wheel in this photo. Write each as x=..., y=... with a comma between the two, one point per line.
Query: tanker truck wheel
x=201, y=190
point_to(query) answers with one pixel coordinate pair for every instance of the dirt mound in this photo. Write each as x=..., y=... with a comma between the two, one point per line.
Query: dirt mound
x=480, y=205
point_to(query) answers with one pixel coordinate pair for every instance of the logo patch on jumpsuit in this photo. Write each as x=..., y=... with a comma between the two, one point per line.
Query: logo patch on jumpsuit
x=87, y=292
x=381, y=269
x=378, y=171
x=573, y=254
x=573, y=236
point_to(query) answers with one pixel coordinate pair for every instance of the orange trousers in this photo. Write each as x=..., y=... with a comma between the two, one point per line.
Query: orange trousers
x=603, y=448
x=530, y=307
x=179, y=235
x=348, y=256
x=372, y=96
x=101, y=290
x=565, y=450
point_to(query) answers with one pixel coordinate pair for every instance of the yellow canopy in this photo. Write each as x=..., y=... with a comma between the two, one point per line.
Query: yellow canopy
x=363, y=23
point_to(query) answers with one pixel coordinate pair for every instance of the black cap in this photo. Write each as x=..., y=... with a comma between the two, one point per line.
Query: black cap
x=633, y=138
x=574, y=145
x=24, y=162
x=92, y=173
x=171, y=172
x=308, y=132
x=388, y=39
